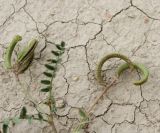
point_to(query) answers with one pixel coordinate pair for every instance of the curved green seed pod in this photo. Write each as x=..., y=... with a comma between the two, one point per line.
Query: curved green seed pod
x=25, y=58
x=145, y=74
x=143, y=70
x=104, y=59
x=121, y=68
x=32, y=44
x=21, y=54
x=9, y=51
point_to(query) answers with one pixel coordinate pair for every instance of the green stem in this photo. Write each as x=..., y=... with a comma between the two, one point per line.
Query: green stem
x=34, y=118
x=51, y=103
x=100, y=96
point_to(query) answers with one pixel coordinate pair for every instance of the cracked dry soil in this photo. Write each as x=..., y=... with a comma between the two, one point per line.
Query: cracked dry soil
x=91, y=29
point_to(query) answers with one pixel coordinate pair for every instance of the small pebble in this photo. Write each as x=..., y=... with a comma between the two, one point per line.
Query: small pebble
x=60, y=103
x=75, y=78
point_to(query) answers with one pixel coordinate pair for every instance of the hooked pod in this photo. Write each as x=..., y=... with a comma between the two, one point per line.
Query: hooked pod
x=9, y=51
x=140, y=67
x=25, y=57
x=129, y=64
x=104, y=59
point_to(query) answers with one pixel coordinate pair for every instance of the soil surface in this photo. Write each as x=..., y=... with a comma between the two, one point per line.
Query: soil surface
x=91, y=30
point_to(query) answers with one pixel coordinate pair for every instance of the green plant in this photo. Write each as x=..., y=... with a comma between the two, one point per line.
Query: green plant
x=25, y=57
x=50, y=73
x=129, y=64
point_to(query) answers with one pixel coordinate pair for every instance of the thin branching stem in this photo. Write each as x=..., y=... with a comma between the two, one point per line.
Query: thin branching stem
x=99, y=96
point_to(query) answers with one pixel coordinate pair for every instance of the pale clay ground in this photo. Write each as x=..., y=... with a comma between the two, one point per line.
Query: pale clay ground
x=91, y=29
